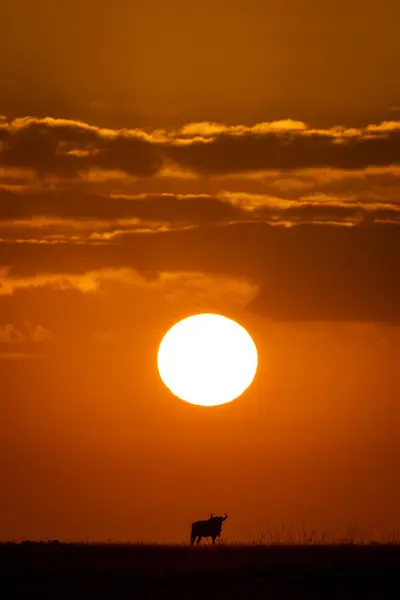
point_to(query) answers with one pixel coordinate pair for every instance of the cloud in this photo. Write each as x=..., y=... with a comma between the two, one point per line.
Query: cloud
x=61, y=311
x=28, y=332
x=71, y=217
x=63, y=147
x=22, y=341
x=68, y=148
x=292, y=149
x=10, y=335
x=71, y=204
x=206, y=129
x=307, y=217
x=311, y=271
x=172, y=286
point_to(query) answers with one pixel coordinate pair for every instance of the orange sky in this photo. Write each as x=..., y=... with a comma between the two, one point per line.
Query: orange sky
x=159, y=161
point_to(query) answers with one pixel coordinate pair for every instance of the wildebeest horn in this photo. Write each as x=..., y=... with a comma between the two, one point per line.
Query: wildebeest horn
x=226, y=515
x=211, y=515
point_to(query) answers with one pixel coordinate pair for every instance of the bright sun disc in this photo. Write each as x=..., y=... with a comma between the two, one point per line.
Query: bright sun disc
x=207, y=359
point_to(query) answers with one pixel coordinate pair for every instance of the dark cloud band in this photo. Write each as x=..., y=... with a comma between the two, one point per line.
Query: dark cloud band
x=67, y=148
x=308, y=272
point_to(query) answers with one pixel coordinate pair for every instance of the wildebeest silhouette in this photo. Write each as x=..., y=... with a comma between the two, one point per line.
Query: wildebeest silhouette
x=210, y=528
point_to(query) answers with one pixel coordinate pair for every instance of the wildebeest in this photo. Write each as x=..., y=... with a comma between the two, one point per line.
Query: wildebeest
x=211, y=528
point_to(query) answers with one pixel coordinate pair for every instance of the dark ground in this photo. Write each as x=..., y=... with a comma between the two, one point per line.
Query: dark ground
x=88, y=571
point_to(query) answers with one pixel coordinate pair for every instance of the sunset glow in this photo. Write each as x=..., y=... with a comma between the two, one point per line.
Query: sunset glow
x=199, y=274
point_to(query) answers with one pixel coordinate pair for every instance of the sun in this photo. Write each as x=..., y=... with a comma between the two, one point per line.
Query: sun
x=207, y=359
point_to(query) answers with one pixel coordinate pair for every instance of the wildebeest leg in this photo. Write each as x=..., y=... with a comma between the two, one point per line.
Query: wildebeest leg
x=198, y=539
x=213, y=539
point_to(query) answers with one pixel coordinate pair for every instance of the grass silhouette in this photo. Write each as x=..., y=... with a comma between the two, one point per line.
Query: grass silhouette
x=277, y=569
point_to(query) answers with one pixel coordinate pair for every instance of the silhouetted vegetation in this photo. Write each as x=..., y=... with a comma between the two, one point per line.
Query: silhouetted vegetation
x=51, y=570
